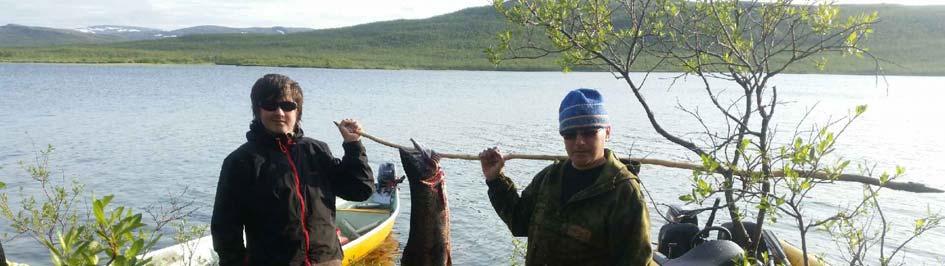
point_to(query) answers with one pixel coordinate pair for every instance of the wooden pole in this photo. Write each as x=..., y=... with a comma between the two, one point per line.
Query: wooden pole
x=902, y=186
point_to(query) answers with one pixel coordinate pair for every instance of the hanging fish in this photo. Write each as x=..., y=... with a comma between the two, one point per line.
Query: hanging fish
x=429, y=240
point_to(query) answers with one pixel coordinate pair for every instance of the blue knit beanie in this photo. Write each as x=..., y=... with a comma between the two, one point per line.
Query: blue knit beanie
x=582, y=108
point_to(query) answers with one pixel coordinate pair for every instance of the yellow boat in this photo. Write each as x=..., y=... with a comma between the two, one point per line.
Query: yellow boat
x=363, y=225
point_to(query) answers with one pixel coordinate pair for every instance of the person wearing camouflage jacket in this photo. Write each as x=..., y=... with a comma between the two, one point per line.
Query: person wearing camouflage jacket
x=586, y=210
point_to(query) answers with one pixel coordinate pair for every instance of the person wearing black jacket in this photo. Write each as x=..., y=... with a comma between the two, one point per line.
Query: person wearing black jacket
x=280, y=186
x=3, y=258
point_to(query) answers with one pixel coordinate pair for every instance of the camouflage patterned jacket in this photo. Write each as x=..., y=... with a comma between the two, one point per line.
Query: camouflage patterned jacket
x=605, y=224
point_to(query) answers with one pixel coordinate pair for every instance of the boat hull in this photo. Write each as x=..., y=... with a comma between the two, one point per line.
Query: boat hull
x=200, y=251
x=359, y=248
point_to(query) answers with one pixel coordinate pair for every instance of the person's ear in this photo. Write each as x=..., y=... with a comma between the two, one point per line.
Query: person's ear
x=607, y=132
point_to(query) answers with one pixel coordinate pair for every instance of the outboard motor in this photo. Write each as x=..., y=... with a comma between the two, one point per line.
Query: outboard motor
x=387, y=178
x=386, y=184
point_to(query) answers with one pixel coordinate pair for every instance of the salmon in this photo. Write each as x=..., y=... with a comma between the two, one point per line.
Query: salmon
x=429, y=240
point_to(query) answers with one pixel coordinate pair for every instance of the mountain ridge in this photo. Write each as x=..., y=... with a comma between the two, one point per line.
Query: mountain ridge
x=911, y=40
x=15, y=35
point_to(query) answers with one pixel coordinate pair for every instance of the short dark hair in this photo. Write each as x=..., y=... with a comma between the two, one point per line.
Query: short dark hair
x=275, y=86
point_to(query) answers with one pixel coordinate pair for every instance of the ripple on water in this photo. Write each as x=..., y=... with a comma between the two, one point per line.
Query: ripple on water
x=175, y=124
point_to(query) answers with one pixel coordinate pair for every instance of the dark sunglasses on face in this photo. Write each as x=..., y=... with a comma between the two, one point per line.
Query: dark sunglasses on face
x=285, y=106
x=584, y=133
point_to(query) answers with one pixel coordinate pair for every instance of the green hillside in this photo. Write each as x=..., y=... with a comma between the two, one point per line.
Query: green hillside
x=912, y=37
x=18, y=36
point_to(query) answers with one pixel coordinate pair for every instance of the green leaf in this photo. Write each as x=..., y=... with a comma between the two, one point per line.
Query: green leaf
x=120, y=261
x=709, y=163
x=763, y=205
x=822, y=146
x=821, y=64
x=843, y=165
x=56, y=259
x=852, y=38
x=702, y=185
x=686, y=198
x=900, y=170
x=135, y=248
x=860, y=109
x=99, y=209
x=115, y=215
x=919, y=224
x=3, y=185
x=883, y=179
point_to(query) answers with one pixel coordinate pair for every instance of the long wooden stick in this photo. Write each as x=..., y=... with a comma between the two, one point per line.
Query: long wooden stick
x=903, y=186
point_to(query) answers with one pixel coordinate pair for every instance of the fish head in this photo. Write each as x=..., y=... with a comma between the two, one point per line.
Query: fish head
x=419, y=163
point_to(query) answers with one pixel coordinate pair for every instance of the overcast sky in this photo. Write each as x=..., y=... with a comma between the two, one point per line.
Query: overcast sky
x=175, y=14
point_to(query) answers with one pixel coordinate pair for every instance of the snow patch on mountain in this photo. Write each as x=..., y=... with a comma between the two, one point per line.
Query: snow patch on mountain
x=108, y=29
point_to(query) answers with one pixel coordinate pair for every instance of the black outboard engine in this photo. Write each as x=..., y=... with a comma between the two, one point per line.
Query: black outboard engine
x=387, y=178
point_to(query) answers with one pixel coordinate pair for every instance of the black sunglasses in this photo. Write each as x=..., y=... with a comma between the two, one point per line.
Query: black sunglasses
x=585, y=133
x=285, y=106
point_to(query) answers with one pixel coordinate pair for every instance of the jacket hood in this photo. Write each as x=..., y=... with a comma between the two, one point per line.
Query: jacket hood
x=258, y=133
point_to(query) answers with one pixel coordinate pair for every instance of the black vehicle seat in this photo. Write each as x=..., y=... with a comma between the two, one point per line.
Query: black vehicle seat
x=750, y=227
x=711, y=253
x=676, y=239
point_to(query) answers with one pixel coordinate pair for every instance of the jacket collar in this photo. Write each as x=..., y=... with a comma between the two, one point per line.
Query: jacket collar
x=614, y=172
x=258, y=133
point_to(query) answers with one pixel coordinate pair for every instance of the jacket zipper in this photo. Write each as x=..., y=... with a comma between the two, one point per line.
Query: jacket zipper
x=298, y=194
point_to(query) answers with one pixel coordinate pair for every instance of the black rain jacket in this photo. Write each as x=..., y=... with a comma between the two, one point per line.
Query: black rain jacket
x=282, y=191
x=3, y=258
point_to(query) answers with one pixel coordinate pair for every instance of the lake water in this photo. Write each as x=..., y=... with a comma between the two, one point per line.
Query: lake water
x=144, y=132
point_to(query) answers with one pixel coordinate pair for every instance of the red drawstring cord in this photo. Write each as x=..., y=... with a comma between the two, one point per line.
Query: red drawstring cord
x=298, y=193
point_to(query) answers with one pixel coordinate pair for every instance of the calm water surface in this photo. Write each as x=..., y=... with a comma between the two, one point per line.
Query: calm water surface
x=145, y=132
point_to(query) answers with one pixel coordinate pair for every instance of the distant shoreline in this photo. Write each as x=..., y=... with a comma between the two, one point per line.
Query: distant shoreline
x=906, y=42
x=500, y=69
